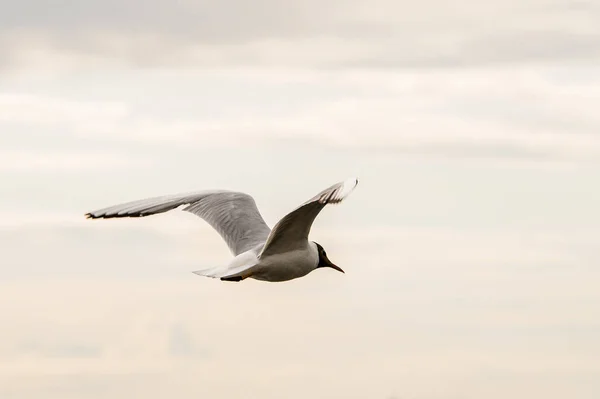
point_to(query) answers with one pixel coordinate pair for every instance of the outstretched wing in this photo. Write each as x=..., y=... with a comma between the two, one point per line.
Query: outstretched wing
x=295, y=226
x=234, y=215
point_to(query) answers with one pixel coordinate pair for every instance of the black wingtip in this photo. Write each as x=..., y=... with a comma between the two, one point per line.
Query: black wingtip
x=115, y=215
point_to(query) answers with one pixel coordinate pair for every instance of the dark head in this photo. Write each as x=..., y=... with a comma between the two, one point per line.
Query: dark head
x=324, y=261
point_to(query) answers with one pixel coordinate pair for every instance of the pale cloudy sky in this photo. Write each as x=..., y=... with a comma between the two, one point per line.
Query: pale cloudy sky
x=471, y=245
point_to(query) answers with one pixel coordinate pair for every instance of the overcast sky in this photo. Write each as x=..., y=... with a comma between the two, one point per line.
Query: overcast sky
x=471, y=245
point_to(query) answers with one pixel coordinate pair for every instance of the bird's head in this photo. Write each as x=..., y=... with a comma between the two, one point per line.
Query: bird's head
x=324, y=260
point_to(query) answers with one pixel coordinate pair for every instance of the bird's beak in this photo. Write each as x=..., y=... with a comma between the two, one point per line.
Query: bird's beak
x=329, y=264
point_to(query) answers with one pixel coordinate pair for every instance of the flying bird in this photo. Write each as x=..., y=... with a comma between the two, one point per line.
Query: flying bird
x=281, y=254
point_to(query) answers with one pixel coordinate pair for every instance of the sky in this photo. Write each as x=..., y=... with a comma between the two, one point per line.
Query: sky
x=471, y=245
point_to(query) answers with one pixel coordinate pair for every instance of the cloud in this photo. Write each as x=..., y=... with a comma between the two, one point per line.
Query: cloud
x=182, y=343
x=530, y=114
x=44, y=162
x=47, y=111
x=310, y=34
x=69, y=349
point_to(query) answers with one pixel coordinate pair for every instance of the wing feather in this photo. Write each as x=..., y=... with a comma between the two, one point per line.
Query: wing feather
x=233, y=215
x=296, y=225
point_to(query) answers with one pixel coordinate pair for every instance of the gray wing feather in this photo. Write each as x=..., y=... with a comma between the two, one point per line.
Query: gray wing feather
x=296, y=225
x=233, y=215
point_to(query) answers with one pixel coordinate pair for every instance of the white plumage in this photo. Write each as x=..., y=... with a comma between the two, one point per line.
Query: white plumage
x=281, y=254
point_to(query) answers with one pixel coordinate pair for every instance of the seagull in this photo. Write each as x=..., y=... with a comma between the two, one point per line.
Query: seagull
x=281, y=254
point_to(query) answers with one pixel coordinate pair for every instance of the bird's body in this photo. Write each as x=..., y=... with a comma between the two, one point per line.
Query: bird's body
x=288, y=265
x=277, y=267
x=281, y=254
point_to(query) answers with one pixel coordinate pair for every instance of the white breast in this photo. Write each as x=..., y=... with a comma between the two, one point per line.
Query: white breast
x=287, y=265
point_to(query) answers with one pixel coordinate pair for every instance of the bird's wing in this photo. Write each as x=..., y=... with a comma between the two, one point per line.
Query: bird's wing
x=234, y=215
x=295, y=226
